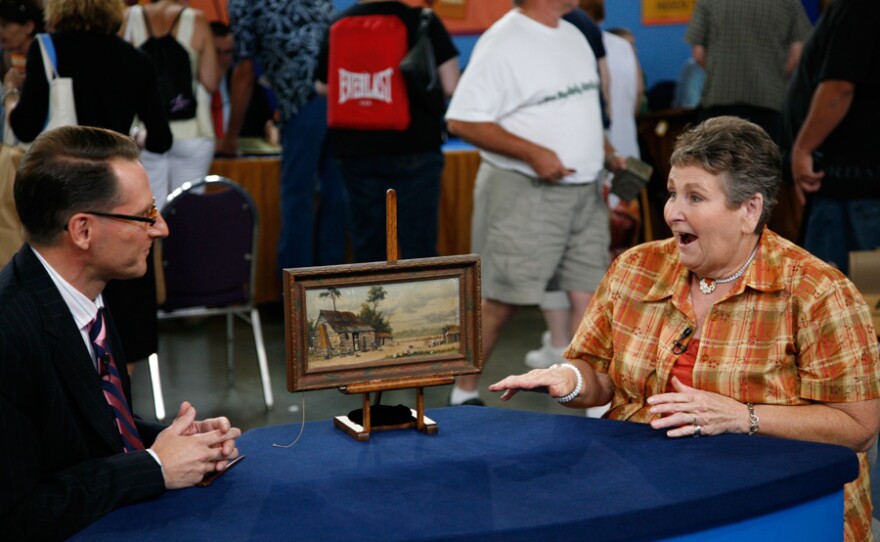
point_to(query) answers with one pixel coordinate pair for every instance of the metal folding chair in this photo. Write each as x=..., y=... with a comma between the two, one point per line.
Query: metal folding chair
x=209, y=266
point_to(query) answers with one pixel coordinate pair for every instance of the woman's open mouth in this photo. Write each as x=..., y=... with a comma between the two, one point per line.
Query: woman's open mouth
x=686, y=238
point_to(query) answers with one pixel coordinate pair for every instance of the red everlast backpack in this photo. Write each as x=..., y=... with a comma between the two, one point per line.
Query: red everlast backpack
x=366, y=90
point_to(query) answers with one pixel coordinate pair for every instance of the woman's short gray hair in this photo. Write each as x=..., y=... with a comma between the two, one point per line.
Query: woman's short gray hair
x=741, y=153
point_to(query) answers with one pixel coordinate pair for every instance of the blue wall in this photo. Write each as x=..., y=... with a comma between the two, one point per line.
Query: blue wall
x=661, y=48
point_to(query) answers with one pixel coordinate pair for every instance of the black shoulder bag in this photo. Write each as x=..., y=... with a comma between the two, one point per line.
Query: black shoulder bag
x=419, y=69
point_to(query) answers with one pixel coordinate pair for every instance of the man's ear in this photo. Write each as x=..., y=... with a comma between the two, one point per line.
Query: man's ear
x=79, y=230
x=752, y=210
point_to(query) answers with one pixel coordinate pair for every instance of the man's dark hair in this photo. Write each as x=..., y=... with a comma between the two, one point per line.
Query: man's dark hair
x=68, y=171
x=23, y=11
x=220, y=30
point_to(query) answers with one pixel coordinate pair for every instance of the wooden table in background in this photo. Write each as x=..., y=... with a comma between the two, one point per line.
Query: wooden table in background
x=260, y=177
x=457, y=199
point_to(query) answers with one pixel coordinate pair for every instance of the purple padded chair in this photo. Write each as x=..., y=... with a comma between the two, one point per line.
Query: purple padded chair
x=209, y=264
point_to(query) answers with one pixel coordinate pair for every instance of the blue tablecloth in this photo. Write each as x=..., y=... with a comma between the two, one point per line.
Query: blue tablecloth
x=490, y=474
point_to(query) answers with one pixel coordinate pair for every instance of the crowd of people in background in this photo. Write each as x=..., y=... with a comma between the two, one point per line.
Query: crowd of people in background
x=258, y=73
x=742, y=60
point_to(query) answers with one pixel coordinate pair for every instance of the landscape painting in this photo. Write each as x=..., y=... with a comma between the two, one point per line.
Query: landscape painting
x=382, y=322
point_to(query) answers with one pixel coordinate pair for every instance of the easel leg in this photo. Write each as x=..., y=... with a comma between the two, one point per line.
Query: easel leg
x=366, y=410
x=420, y=409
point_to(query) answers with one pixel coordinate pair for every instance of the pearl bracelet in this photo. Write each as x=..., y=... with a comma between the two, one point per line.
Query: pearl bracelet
x=578, y=387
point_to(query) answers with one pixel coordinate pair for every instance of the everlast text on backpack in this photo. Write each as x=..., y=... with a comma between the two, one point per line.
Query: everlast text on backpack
x=366, y=90
x=174, y=72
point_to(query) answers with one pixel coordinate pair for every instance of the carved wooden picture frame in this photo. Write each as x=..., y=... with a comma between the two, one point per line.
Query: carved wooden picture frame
x=382, y=322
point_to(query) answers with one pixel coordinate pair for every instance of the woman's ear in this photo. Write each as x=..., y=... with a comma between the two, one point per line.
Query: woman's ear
x=753, y=208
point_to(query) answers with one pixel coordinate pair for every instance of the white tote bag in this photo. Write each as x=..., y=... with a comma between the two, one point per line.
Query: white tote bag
x=62, y=108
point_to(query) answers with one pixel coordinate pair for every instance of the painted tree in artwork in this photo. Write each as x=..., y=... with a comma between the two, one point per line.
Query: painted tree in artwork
x=370, y=312
x=374, y=295
x=333, y=294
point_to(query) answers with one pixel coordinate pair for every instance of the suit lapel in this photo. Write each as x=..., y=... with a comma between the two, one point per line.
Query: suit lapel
x=68, y=351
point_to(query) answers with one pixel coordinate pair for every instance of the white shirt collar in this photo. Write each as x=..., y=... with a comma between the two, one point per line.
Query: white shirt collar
x=83, y=309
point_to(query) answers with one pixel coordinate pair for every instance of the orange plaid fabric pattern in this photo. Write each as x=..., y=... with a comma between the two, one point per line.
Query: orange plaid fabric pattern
x=792, y=331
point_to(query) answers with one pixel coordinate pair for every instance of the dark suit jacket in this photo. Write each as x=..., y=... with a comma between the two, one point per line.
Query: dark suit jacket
x=62, y=463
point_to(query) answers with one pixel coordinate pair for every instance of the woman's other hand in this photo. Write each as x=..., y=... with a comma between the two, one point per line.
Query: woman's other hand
x=689, y=412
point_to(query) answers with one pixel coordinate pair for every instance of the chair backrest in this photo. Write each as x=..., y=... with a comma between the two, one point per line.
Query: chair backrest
x=209, y=256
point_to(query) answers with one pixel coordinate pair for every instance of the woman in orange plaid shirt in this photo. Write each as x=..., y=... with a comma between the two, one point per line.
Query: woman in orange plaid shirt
x=727, y=327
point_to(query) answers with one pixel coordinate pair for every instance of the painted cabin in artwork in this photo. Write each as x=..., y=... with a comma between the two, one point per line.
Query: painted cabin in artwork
x=383, y=338
x=342, y=333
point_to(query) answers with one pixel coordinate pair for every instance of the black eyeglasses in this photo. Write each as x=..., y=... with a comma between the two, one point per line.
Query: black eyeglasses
x=151, y=218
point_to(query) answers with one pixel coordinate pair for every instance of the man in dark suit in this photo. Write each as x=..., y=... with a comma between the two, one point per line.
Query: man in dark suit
x=70, y=454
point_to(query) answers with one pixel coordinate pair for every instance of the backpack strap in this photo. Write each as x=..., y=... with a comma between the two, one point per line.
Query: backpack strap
x=185, y=27
x=170, y=30
x=176, y=20
x=146, y=22
x=424, y=20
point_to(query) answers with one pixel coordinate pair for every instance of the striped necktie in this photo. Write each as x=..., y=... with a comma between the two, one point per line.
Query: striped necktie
x=112, y=385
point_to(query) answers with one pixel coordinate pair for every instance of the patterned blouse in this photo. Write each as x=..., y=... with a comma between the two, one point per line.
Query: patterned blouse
x=791, y=331
x=284, y=37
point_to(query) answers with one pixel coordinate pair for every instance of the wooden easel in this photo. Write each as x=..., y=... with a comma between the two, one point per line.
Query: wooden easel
x=417, y=420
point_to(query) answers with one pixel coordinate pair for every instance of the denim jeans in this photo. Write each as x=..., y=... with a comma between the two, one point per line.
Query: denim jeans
x=416, y=179
x=836, y=227
x=307, y=167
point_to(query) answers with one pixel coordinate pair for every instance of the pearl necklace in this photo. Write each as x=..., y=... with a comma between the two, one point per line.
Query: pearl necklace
x=707, y=286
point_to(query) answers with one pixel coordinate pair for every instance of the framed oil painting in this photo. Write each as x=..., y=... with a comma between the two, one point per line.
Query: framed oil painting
x=382, y=322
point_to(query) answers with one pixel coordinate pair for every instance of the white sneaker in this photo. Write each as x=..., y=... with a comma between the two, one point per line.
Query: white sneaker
x=546, y=355
x=533, y=354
